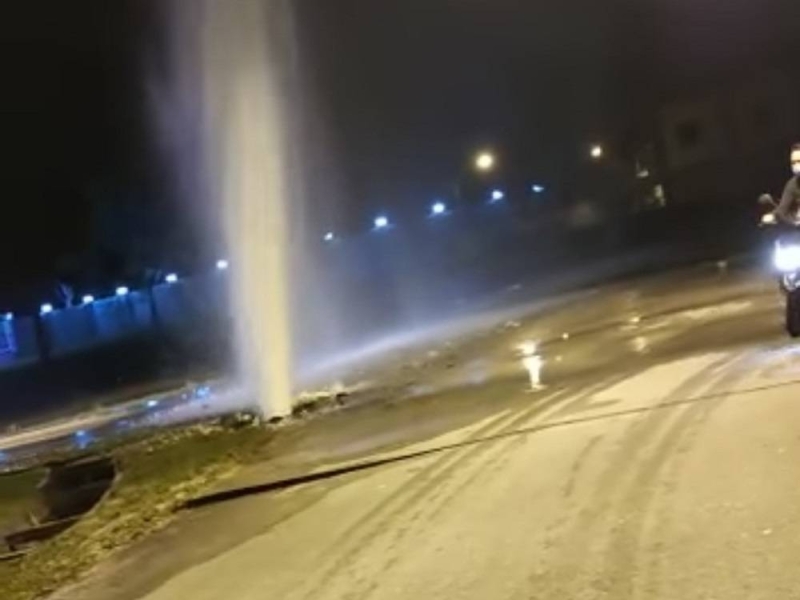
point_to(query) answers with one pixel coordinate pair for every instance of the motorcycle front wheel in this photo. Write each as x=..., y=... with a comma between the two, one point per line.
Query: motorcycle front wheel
x=793, y=313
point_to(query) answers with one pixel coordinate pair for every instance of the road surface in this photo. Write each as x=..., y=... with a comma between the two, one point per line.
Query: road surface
x=659, y=459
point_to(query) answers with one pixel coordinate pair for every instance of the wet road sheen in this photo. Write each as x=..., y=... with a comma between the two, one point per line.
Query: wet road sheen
x=641, y=442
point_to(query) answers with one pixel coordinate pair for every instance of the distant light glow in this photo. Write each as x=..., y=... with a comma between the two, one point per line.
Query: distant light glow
x=329, y=237
x=152, y=403
x=381, y=222
x=46, y=309
x=485, y=161
x=533, y=365
x=8, y=316
x=122, y=291
x=87, y=299
x=538, y=189
x=597, y=151
x=171, y=278
x=222, y=265
x=83, y=439
x=497, y=195
x=438, y=209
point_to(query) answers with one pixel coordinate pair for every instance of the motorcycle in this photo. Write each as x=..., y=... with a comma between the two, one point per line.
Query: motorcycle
x=786, y=260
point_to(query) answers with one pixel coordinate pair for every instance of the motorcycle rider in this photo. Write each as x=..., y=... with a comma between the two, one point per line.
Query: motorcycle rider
x=787, y=246
x=788, y=209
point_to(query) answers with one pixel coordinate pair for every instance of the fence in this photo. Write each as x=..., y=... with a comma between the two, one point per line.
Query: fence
x=397, y=278
x=183, y=305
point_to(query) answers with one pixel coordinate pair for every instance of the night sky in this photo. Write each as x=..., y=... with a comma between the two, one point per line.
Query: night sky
x=405, y=90
x=72, y=123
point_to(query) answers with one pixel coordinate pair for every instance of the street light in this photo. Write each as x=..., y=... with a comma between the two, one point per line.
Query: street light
x=171, y=278
x=222, y=265
x=381, y=222
x=485, y=161
x=46, y=309
x=87, y=299
x=438, y=209
x=329, y=237
x=597, y=152
x=497, y=195
x=538, y=189
x=122, y=291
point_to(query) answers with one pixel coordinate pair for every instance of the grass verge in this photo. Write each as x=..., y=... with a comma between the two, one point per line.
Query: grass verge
x=156, y=474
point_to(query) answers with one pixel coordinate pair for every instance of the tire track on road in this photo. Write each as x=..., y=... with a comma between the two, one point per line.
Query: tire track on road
x=624, y=551
x=560, y=577
x=438, y=503
x=361, y=534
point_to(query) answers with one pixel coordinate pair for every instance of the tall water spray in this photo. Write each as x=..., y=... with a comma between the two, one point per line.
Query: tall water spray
x=244, y=164
x=246, y=135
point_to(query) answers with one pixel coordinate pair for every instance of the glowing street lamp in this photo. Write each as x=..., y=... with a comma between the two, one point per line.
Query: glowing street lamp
x=381, y=222
x=9, y=316
x=438, y=209
x=87, y=299
x=46, y=309
x=597, y=152
x=485, y=161
x=497, y=196
x=538, y=189
x=222, y=265
x=171, y=278
x=329, y=237
x=122, y=291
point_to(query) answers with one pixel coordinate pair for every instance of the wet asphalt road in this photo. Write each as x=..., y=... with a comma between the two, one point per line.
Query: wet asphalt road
x=659, y=459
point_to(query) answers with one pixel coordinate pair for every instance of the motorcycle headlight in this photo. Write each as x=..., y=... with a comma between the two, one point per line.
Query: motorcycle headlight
x=787, y=258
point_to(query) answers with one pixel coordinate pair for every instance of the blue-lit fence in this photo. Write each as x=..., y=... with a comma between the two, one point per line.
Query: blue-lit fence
x=394, y=277
x=183, y=305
